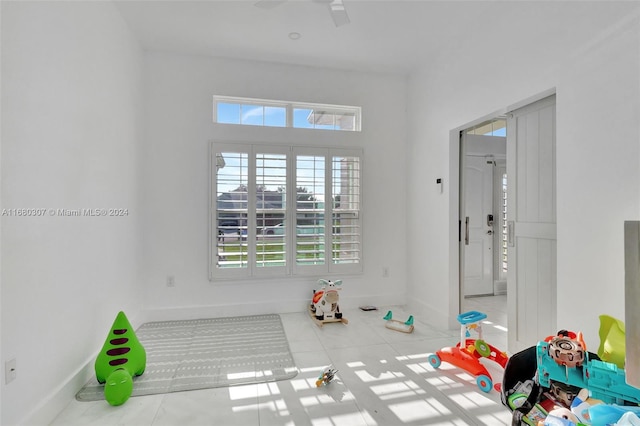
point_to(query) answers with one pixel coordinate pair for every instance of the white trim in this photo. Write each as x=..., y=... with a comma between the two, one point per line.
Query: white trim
x=291, y=268
x=454, y=198
x=50, y=407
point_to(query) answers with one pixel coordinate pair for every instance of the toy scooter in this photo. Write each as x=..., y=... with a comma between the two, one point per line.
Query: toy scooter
x=467, y=353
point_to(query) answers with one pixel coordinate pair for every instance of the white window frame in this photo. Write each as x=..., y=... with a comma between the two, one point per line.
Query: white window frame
x=291, y=268
x=289, y=108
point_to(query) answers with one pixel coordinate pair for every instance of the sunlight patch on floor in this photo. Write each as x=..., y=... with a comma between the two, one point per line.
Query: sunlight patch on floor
x=454, y=422
x=278, y=406
x=367, y=377
x=444, y=383
x=419, y=410
x=414, y=356
x=266, y=389
x=471, y=400
x=302, y=384
x=267, y=373
x=242, y=392
x=397, y=390
x=351, y=419
x=420, y=368
x=243, y=408
x=242, y=375
x=499, y=418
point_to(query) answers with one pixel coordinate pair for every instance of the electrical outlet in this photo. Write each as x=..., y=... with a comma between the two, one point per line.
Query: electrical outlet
x=9, y=371
x=171, y=281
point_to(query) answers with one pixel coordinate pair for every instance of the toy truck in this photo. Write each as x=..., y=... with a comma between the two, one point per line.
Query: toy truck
x=604, y=380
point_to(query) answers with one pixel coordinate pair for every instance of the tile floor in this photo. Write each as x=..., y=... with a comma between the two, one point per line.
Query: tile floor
x=383, y=379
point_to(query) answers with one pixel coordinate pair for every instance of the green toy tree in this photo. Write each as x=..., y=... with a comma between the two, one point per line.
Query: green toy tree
x=121, y=358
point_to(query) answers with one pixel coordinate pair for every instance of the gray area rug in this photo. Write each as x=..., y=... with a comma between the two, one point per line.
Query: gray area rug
x=208, y=353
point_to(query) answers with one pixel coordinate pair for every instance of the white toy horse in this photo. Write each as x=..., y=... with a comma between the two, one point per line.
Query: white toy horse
x=324, y=306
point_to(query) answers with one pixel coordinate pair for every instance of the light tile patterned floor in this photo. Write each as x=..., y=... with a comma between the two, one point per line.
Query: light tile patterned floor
x=383, y=379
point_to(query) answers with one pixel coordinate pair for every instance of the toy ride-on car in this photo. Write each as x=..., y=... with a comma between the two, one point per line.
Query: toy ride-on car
x=468, y=352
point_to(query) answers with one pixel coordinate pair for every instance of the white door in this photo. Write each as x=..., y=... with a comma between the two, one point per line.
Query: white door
x=478, y=248
x=531, y=223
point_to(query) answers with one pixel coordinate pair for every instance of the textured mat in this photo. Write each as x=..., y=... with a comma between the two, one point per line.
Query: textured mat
x=208, y=353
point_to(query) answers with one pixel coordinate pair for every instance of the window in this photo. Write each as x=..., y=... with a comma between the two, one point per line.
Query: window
x=271, y=113
x=495, y=127
x=283, y=210
x=251, y=114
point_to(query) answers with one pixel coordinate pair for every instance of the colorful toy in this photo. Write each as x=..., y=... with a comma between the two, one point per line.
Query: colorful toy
x=561, y=416
x=567, y=348
x=605, y=414
x=324, y=305
x=405, y=327
x=326, y=376
x=612, y=341
x=535, y=415
x=121, y=357
x=468, y=352
x=581, y=404
x=604, y=380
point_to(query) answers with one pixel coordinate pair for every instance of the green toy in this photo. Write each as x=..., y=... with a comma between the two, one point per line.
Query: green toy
x=612, y=341
x=121, y=358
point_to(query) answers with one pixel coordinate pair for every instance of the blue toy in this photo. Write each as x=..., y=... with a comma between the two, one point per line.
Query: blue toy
x=604, y=380
x=603, y=414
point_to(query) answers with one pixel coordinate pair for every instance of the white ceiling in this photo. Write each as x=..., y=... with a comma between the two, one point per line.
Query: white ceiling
x=386, y=36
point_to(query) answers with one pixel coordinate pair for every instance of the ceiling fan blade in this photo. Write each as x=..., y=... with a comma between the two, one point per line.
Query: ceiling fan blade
x=338, y=13
x=268, y=4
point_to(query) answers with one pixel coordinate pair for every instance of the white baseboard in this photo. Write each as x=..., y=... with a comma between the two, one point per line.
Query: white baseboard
x=45, y=412
x=240, y=309
x=432, y=316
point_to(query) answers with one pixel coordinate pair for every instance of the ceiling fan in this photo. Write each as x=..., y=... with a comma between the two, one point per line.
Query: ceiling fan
x=336, y=9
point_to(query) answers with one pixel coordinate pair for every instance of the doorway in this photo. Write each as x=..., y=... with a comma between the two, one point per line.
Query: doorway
x=524, y=228
x=483, y=205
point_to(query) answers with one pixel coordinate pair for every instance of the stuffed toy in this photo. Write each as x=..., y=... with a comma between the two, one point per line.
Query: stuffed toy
x=122, y=357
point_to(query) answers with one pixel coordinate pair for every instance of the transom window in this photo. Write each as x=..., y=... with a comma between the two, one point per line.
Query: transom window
x=284, y=210
x=272, y=113
x=495, y=127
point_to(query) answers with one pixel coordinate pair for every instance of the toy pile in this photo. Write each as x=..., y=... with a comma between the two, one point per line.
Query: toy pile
x=559, y=383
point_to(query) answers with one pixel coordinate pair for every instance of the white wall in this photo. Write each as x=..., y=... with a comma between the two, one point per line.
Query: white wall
x=598, y=155
x=71, y=98
x=598, y=159
x=74, y=86
x=175, y=191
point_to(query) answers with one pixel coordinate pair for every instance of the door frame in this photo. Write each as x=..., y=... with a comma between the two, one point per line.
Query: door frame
x=456, y=228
